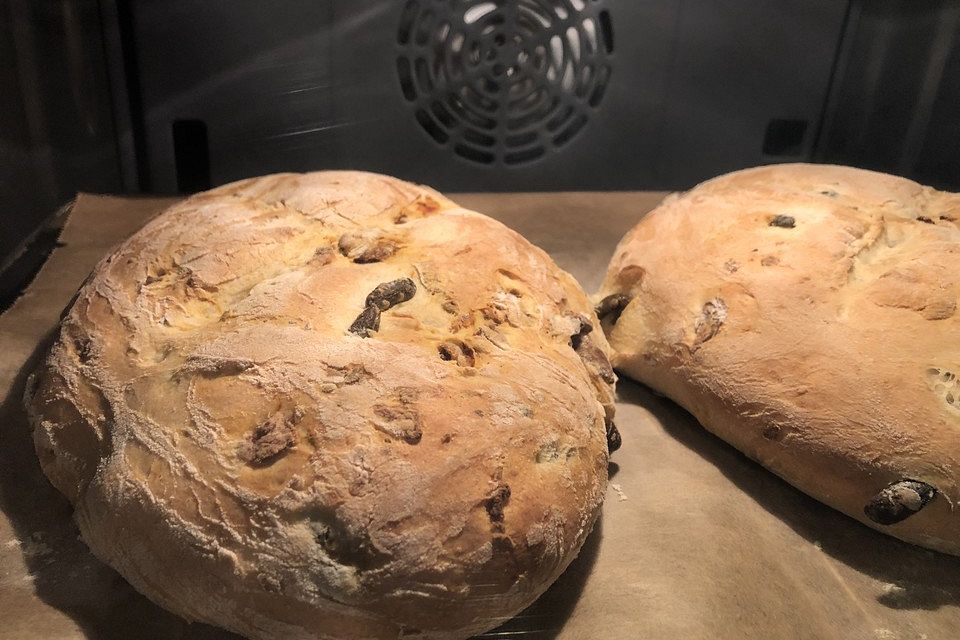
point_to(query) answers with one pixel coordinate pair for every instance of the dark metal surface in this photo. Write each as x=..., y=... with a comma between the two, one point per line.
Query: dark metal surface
x=896, y=99
x=56, y=131
x=692, y=91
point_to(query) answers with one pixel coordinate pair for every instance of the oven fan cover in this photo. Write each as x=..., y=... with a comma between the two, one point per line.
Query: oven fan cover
x=505, y=81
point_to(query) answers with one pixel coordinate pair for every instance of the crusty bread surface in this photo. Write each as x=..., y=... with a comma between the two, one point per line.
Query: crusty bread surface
x=329, y=405
x=808, y=315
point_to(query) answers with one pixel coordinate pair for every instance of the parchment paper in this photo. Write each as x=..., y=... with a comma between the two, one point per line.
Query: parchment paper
x=695, y=542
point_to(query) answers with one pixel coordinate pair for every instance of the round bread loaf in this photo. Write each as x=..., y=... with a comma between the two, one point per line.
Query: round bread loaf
x=331, y=405
x=808, y=315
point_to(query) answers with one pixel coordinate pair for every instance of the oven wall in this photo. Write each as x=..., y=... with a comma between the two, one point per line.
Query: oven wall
x=56, y=122
x=697, y=88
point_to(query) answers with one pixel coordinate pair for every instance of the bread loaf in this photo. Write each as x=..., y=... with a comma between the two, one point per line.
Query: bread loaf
x=808, y=315
x=331, y=405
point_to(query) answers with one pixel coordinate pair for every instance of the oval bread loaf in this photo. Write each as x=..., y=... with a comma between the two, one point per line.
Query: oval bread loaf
x=808, y=315
x=331, y=405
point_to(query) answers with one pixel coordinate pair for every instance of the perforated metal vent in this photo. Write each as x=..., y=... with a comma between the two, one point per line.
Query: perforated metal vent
x=504, y=80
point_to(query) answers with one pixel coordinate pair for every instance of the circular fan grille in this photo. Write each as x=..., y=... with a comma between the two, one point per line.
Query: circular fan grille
x=504, y=80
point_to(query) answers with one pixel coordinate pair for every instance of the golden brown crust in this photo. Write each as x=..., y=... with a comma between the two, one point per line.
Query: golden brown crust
x=243, y=458
x=807, y=315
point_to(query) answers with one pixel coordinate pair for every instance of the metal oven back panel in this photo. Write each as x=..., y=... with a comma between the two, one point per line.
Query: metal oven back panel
x=480, y=94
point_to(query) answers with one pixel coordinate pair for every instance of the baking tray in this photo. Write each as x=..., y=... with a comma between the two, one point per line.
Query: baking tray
x=696, y=541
